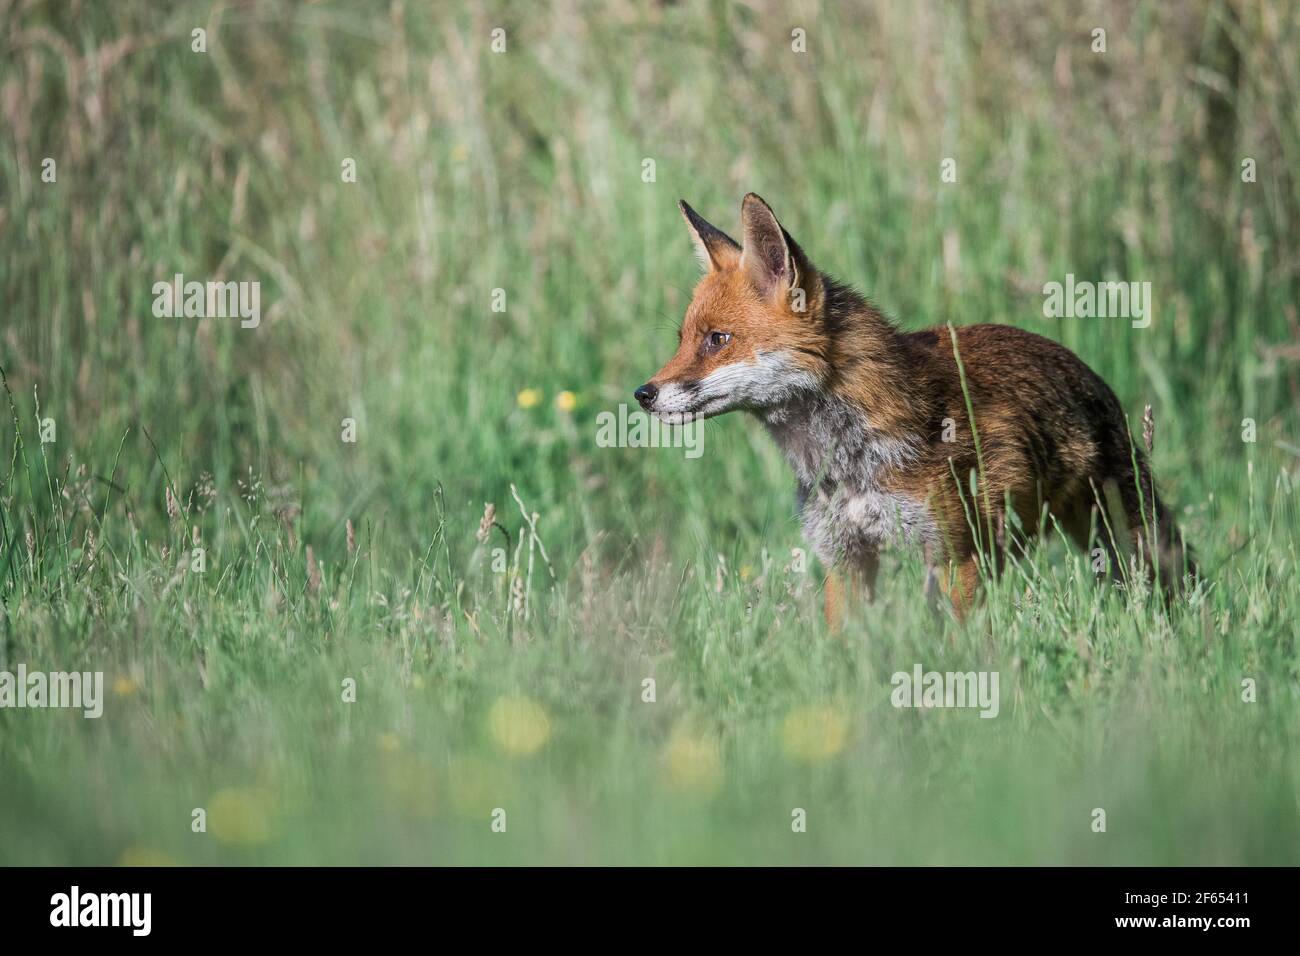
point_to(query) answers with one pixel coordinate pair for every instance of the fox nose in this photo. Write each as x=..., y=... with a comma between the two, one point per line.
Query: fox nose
x=646, y=394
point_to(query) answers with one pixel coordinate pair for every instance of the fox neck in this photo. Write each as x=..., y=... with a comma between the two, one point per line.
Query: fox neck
x=868, y=414
x=830, y=442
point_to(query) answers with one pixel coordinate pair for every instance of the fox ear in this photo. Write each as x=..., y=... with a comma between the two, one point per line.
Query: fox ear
x=714, y=248
x=769, y=256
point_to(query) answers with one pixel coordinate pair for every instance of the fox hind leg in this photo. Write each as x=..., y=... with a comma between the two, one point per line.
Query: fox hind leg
x=1156, y=542
x=1130, y=532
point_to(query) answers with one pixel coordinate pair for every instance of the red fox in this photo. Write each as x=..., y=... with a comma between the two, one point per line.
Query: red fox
x=877, y=422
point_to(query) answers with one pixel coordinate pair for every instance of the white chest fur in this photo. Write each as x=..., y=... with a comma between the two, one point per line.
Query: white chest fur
x=839, y=460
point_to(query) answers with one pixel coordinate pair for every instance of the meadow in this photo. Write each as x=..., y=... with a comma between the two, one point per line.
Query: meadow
x=362, y=582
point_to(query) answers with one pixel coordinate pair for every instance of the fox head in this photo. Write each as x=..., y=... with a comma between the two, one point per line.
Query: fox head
x=753, y=337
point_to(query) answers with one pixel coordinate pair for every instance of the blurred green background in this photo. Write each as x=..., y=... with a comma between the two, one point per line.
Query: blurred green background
x=515, y=680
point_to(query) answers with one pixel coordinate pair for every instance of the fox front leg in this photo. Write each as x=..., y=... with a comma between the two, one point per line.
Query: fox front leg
x=849, y=583
x=961, y=583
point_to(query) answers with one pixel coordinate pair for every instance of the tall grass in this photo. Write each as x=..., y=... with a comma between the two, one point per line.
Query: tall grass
x=523, y=171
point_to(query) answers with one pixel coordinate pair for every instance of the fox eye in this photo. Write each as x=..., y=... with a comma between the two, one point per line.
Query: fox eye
x=718, y=339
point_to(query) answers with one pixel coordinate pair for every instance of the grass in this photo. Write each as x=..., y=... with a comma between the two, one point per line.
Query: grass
x=522, y=689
